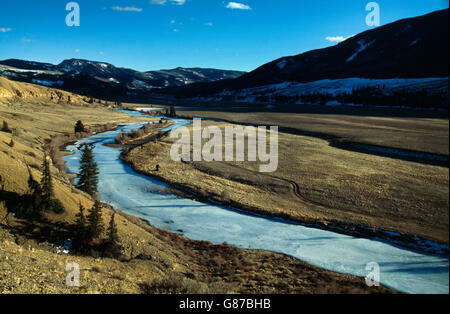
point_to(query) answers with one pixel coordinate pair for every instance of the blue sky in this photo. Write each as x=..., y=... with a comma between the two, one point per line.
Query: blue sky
x=162, y=34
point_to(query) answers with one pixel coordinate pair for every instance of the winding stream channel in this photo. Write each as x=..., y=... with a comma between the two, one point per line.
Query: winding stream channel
x=401, y=269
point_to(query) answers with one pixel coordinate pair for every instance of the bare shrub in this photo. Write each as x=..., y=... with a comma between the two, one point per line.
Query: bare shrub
x=225, y=196
x=174, y=283
x=134, y=134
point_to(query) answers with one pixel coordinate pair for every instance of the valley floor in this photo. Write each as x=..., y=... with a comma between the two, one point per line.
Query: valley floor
x=153, y=261
x=318, y=183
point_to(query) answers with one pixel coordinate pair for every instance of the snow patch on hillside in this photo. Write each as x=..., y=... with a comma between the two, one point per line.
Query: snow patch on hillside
x=47, y=83
x=282, y=64
x=414, y=42
x=333, y=87
x=6, y=68
x=347, y=85
x=362, y=46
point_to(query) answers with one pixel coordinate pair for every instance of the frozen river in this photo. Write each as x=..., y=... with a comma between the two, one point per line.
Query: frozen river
x=144, y=197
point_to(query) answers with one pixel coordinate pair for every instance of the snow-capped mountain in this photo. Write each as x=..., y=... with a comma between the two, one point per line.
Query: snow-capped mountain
x=410, y=48
x=92, y=77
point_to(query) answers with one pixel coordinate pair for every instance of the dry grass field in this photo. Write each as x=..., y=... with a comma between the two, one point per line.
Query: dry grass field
x=153, y=261
x=399, y=130
x=318, y=183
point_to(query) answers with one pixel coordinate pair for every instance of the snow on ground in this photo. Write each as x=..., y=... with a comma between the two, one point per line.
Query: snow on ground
x=7, y=68
x=282, y=64
x=362, y=46
x=338, y=86
x=47, y=83
x=414, y=42
x=333, y=103
x=141, y=83
x=144, y=197
x=104, y=66
x=147, y=109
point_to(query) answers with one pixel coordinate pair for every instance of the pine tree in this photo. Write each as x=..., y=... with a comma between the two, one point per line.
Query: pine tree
x=79, y=127
x=5, y=127
x=46, y=182
x=88, y=178
x=112, y=244
x=80, y=235
x=94, y=218
x=172, y=113
x=34, y=208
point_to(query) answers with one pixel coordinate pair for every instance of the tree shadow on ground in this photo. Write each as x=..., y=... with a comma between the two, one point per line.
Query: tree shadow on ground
x=38, y=229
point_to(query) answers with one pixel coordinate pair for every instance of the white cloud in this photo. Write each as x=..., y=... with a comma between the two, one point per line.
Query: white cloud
x=4, y=30
x=238, y=6
x=161, y=2
x=337, y=39
x=77, y=50
x=175, y=30
x=26, y=40
x=127, y=9
x=209, y=24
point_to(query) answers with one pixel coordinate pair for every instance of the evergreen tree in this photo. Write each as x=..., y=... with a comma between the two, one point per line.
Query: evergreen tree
x=5, y=127
x=46, y=182
x=94, y=218
x=172, y=112
x=34, y=208
x=88, y=178
x=79, y=127
x=112, y=244
x=40, y=196
x=80, y=234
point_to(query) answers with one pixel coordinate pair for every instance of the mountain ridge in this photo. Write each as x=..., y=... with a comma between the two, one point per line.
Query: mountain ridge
x=93, y=77
x=408, y=48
